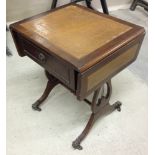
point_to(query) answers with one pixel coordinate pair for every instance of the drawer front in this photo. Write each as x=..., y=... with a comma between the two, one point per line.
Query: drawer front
x=53, y=65
x=94, y=78
x=35, y=53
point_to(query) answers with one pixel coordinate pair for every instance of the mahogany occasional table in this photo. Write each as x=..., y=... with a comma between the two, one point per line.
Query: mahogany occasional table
x=81, y=49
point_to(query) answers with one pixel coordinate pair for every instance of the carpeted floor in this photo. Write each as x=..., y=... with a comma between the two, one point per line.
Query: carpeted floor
x=52, y=131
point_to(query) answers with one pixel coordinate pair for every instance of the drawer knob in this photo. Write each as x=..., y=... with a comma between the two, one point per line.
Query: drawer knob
x=25, y=51
x=42, y=57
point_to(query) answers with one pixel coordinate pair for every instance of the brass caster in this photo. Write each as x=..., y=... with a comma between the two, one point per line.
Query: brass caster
x=76, y=145
x=35, y=106
x=118, y=105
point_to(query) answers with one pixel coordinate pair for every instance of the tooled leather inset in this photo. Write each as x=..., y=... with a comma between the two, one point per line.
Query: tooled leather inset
x=111, y=67
x=76, y=31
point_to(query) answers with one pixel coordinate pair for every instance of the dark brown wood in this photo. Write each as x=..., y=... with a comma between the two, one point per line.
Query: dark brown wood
x=17, y=40
x=52, y=82
x=54, y=65
x=67, y=72
x=85, y=62
x=97, y=106
x=78, y=140
x=74, y=52
x=104, y=99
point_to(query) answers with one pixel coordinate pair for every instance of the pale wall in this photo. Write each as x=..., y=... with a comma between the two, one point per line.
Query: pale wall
x=20, y=9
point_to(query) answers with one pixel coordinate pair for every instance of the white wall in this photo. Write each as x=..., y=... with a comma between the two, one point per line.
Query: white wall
x=20, y=9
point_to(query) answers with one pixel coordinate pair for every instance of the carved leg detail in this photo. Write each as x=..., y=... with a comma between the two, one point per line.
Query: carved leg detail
x=76, y=143
x=99, y=106
x=52, y=82
x=47, y=91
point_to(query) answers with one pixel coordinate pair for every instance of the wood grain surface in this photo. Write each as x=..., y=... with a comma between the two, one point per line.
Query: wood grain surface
x=76, y=31
x=77, y=35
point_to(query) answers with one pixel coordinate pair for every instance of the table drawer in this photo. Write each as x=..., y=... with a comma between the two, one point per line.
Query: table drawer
x=35, y=53
x=107, y=68
x=53, y=65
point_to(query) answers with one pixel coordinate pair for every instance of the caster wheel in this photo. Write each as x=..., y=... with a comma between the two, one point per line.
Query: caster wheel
x=77, y=145
x=35, y=106
x=118, y=105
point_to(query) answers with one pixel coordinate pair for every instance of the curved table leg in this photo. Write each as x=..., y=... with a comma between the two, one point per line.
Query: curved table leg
x=52, y=82
x=97, y=106
x=77, y=141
